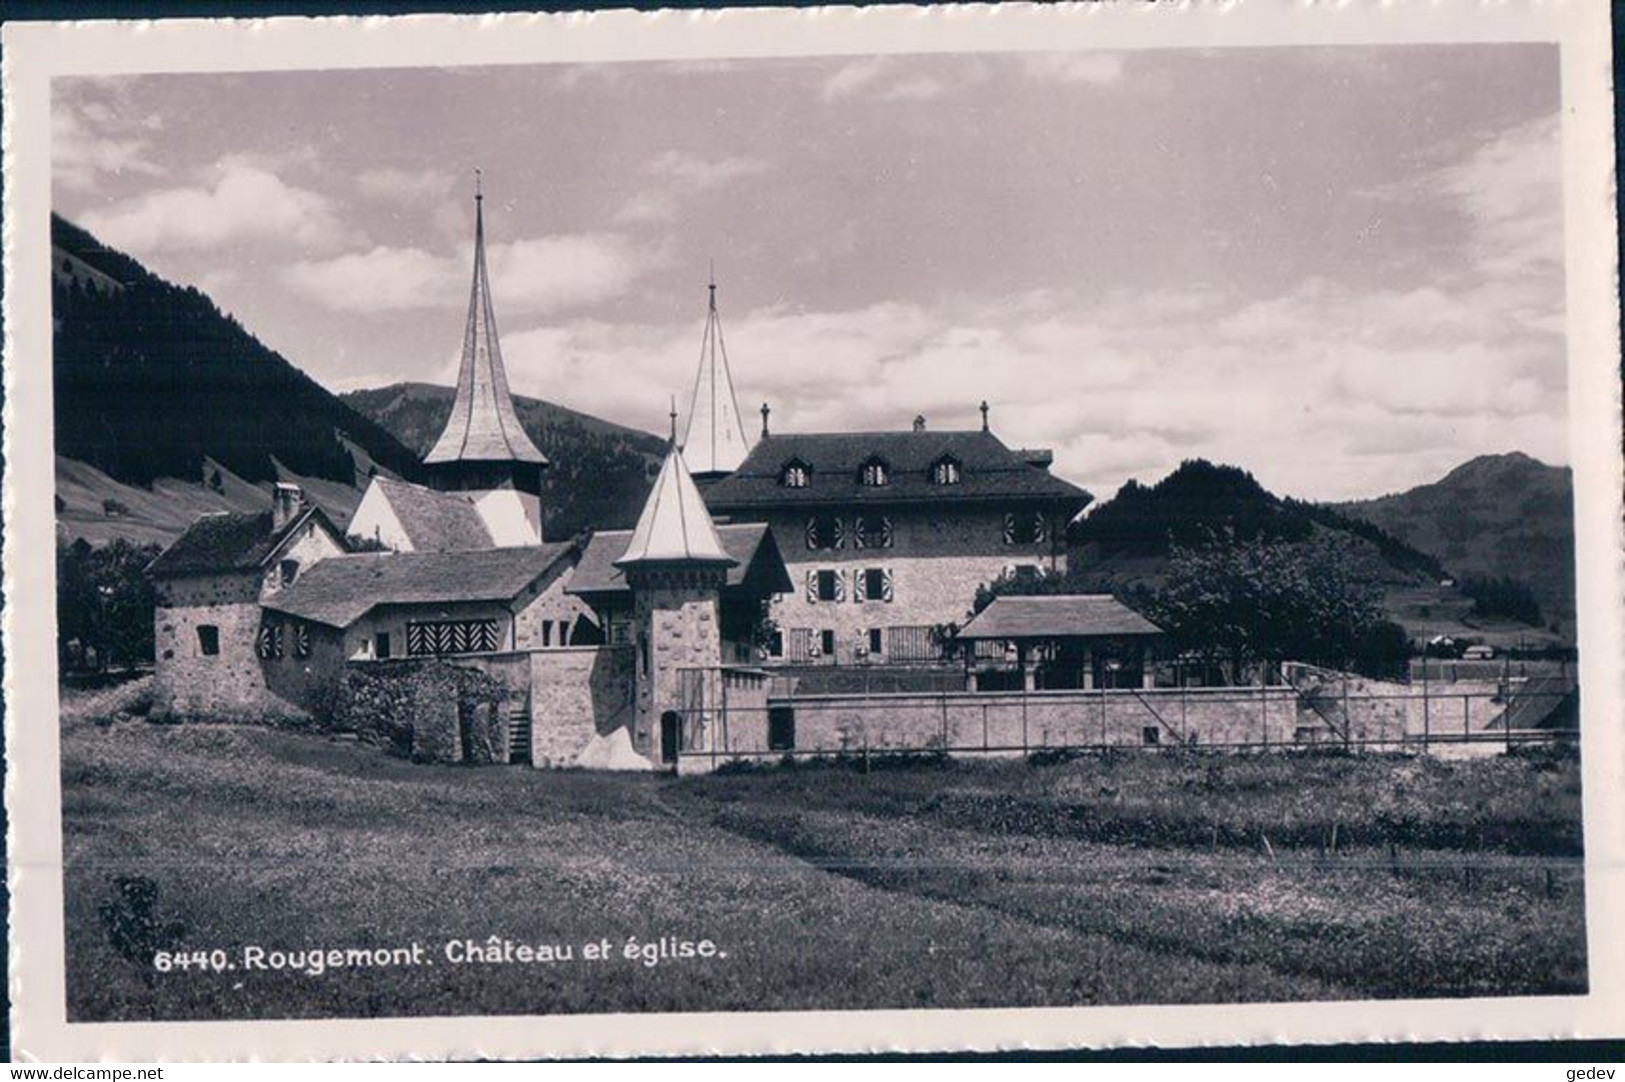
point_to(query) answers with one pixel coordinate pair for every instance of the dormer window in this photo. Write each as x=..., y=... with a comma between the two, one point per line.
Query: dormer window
x=874, y=474
x=796, y=474
x=945, y=471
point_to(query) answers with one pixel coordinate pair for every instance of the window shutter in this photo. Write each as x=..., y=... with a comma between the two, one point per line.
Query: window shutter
x=301, y=640
x=886, y=585
x=858, y=540
x=885, y=531
x=1039, y=528
x=839, y=540
x=840, y=585
x=812, y=587
x=266, y=644
x=860, y=587
x=812, y=533
x=1009, y=529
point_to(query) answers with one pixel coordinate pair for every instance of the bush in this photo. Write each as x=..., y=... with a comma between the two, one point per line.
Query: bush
x=431, y=711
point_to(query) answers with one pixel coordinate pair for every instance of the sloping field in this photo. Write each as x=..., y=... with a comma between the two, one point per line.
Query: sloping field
x=1146, y=879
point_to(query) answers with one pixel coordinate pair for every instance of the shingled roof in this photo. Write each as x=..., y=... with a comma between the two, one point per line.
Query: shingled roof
x=1057, y=617
x=988, y=470
x=435, y=521
x=483, y=426
x=340, y=590
x=752, y=546
x=230, y=541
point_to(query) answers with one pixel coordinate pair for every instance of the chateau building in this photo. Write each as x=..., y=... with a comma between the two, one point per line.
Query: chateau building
x=887, y=535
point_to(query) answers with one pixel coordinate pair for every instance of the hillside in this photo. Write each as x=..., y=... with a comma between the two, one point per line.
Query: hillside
x=1496, y=515
x=167, y=408
x=1123, y=546
x=601, y=471
x=152, y=379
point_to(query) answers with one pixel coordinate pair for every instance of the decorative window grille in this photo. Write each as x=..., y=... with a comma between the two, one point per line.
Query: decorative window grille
x=451, y=637
x=269, y=642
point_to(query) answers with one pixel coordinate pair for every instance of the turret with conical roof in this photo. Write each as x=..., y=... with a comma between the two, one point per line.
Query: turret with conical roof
x=676, y=568
x=484, y=450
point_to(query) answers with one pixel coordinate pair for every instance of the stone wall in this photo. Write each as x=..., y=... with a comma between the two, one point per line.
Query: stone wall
x=234, y=684
x=937, y=559
x=1009, y=723
x=575, y=694
x=547, y=616
x=430, y=710
x=677, y=629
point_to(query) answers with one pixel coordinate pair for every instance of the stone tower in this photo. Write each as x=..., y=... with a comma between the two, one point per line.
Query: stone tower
x=676, y=568
x=483, y=451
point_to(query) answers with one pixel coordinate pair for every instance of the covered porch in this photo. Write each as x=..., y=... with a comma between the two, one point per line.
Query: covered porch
x=1061, y=642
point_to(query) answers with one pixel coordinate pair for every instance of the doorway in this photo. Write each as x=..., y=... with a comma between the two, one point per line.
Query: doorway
x=671, y=730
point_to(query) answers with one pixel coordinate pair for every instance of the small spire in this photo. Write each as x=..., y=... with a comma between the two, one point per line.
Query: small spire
x=674, y=420
x=713, y=285
x=765, y=412
x=984, y=415
x=479, y=193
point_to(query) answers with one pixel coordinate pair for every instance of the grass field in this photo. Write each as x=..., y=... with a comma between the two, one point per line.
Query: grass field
x=1137, y=879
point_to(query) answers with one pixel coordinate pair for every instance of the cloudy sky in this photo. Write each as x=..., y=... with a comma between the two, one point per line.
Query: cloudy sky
x=1340, y=268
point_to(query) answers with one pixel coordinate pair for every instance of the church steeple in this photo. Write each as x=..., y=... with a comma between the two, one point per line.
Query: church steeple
x=482, y=426
x=484, y=450
x=715, y=440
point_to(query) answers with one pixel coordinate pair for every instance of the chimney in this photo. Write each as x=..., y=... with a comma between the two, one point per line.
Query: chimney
x=919, y=423
x=286, y=503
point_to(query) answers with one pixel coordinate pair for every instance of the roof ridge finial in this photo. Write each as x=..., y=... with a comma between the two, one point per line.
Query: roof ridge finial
x=712, y=286
x=479, y=193
x=674, y=421
x=984, y=415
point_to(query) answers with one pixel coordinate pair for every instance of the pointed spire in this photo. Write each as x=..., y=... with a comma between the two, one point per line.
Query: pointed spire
x=675, y=527
x=715, y=439
x=483, y=426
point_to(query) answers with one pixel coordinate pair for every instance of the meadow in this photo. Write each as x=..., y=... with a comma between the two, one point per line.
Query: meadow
x=1129, y=879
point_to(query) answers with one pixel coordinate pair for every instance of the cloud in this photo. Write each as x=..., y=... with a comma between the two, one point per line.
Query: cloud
x=1100, y=69
x=83, y=154
x=854, y=76
x=680, y=175
x=244, y=204
x=698, y=174
x=404, y=186
x=544, y=274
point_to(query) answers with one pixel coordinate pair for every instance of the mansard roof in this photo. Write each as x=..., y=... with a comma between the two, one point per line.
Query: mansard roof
x=483, y=426
x=1057, y=617
x=435, y=521
x=232, y=541
x=988, y=471
x=759, y=565
x=675, y=526
x=340, y=590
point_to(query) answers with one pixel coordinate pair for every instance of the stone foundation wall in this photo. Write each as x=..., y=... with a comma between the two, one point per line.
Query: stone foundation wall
x=575, y=694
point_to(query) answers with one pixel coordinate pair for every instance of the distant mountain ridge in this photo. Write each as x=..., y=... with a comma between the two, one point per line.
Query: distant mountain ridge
x=1495, y=515
x=167, y=408
x=600, y=473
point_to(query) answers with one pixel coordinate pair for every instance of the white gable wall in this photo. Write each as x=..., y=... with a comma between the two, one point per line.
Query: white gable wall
x=512, y=517
x=376, y=520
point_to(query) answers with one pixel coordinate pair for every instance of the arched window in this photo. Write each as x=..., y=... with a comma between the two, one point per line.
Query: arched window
x=796, y=474
x=945, y=471
x=874, y=473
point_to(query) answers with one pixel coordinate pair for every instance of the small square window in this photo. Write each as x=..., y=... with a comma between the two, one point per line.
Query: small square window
x=1151, y=735
x=876, y=641
x=775, y=644
x=287, y=571
x=826, y=641
x=208, y=640
x=874, y=584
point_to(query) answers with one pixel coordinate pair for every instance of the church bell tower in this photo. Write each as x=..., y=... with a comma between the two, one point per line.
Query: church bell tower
x=484, y=451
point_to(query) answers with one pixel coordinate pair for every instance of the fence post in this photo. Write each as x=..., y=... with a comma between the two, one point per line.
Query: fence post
x=1466, y=721
x=1102, y=719
x=1427, y=719
x=984, y=727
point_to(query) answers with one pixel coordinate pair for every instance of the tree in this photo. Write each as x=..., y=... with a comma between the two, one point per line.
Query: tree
x=105, y=600
x=1245, y=602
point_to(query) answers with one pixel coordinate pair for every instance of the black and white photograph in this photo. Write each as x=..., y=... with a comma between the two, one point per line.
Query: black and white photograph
x=909, y=529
